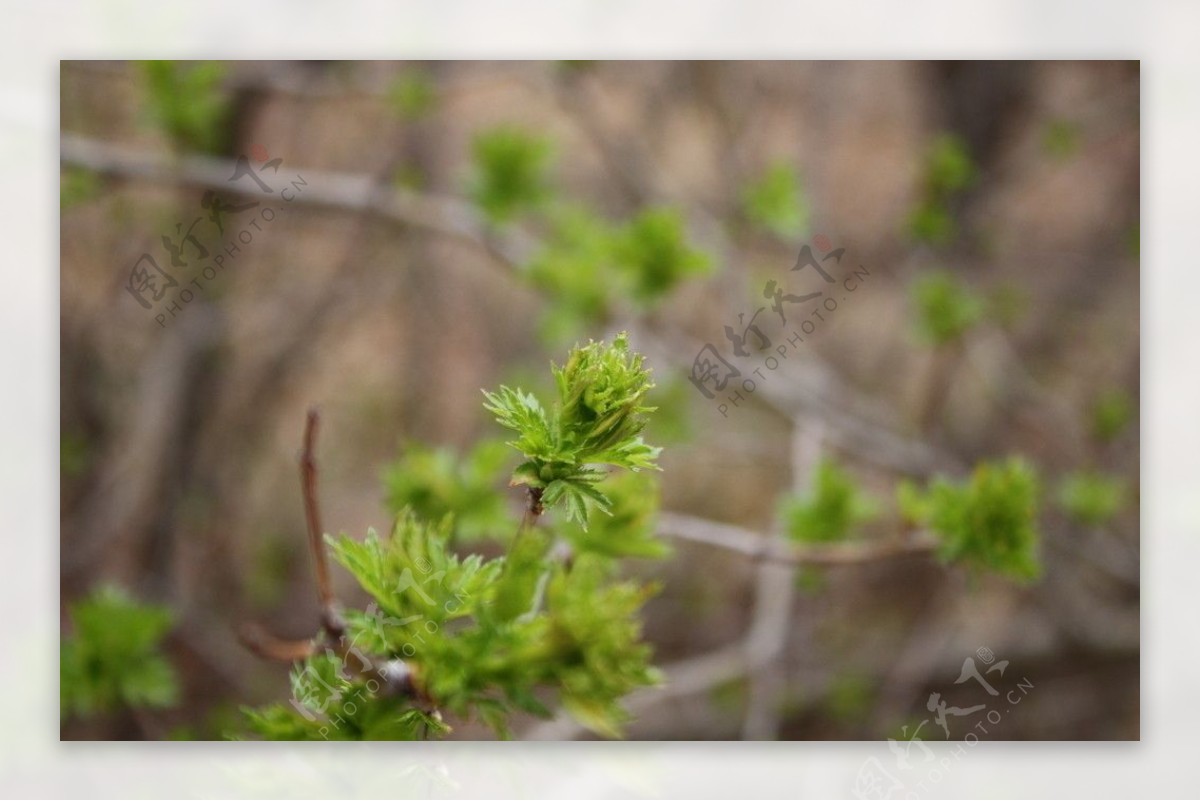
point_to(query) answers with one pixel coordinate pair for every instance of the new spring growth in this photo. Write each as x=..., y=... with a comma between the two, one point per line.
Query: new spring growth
x=597, y=420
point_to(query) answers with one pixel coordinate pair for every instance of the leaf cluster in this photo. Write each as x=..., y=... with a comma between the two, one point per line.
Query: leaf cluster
x=1112, y=412
x=186, y=100
x=988, y=521
x=597, y=420
x=486, y=638
x=831, y=508
x=435, y=482
x=588, y=265
x=945, y=307
x=948, y=170
x=412, y=95
x=112, y=658
x=775, y=201
x=510, y=174
x=1090, y=498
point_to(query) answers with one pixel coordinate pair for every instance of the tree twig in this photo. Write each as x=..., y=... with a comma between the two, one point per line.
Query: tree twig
x=761, y=548
x=331, y=618
x=766, y=644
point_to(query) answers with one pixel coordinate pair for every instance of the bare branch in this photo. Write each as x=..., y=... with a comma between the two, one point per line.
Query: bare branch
x=331, y=619
x=262, y=643
x=758, y=547
x=766, y=643
x=325, y=189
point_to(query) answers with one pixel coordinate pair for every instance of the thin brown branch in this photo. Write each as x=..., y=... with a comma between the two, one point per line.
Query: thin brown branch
x=331, y=619
x=262, y=643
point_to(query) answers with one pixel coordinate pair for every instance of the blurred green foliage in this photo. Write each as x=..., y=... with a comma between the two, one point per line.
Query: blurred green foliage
x=849, y=698
x=672, y=401
x=412, y=95
x=629, y=528
x=776, y=202
x=1007, y=304
x=1091, y=498
x=989, y=521
x=588, y=266
x=1061, y=139
x=186, y=101
x=575, y=269
x=1112, y=412
x=831, y=508
x=652, y=253
x=75, y=454
x=112, y=658
x=510, y=173
x=945, y=307
x=435, y=482
x=947, y=171
x=948, y=166
x=77, y=186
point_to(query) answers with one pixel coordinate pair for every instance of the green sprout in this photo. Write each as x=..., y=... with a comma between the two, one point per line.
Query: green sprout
x=775, y=201
x=1061, y=138
x=112, y=660
x=412, y=95
x=946, y=308
x=437, y=482
x=1090, y=498
x=830, y=510
x=186, y=100
x=597, y=420
x=510, y=173
x=989, y=521
x=588, y=264
x=1112, y=412
x=653, y=252
x=948, y=171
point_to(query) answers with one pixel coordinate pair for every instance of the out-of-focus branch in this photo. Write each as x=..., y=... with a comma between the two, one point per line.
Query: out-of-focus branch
x=266, y=645
x=761, y=548
x=325, y=189
x=853, y=422
x=814, y=389
x=682, y=679
x=766, y=643
x=691, y=676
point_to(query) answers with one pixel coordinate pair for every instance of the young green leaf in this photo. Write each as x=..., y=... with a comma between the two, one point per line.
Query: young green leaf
x=112, y=659
x=831, y=508
x=511, y=173
x=990, y=520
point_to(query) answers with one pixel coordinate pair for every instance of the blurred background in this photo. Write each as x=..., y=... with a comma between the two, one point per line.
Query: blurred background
x=423, y=230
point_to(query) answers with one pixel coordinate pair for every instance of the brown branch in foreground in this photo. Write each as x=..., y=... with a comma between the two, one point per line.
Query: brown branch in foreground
x=397, y=677
x=331, y=619
x=264, y=644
